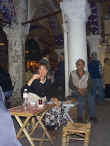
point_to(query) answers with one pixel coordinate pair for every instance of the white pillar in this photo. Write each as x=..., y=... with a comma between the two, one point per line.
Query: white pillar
x=75, y=14
x=77, y=43
x=66, y=59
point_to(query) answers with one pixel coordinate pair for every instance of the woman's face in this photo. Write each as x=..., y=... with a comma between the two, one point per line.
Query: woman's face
x=42, y=71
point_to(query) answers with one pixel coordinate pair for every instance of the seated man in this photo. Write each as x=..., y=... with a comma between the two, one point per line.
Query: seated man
x=80, y=84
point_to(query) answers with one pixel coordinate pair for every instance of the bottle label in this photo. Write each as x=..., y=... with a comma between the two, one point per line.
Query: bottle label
x=40, y=101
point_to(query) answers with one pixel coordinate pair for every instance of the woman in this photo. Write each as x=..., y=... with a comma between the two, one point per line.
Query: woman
x=40, y=85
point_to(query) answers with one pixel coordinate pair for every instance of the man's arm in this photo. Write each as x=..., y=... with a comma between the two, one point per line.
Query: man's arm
x=71, y=86
x=100, y=68
x=90, y=84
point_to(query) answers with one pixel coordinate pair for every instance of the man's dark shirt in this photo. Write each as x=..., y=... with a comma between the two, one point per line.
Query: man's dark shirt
x=94, y=68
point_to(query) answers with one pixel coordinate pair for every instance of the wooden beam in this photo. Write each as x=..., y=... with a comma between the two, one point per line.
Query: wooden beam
x=42, y=17
x=45, y=42
x=99, y=1
x=4, y=21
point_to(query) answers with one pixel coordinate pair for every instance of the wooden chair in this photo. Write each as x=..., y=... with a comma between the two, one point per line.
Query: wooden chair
x=72, y=110
x=76, y=131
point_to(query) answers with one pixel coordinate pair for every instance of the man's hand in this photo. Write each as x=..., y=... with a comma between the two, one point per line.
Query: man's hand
x=82, y=91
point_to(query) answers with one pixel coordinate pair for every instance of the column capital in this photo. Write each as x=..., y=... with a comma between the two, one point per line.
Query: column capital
x=14, y=32
x=75, y=9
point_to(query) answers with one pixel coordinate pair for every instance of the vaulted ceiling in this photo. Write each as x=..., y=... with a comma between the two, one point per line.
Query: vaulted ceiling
x=46, y=24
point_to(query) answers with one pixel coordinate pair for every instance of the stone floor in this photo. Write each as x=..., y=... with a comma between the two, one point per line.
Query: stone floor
x=100, y=133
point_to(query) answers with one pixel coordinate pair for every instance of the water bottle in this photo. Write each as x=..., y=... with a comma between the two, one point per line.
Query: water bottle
x=25, y=97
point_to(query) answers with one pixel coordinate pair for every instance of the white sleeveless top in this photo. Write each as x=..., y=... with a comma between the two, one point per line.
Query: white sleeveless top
x=80, y=82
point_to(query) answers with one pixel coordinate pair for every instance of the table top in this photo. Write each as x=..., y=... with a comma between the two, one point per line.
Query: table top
x=29, y=110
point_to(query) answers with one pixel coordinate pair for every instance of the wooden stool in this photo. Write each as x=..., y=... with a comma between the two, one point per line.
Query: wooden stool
x=73, y=113
x=81, y=131
x=73, y=110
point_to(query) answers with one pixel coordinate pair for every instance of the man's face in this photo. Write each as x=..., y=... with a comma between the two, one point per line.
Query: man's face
x=42, y=71
x=80, y=66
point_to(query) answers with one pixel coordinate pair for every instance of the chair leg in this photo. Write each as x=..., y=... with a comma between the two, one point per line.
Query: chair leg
x=67, y=140
x=85, y=144
x=64, y=139
x=86, y=140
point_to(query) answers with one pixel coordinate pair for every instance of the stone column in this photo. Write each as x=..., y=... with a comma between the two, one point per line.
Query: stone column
x=75, y=14
x=16, y=34
x=66, y=58
x=16, y=55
